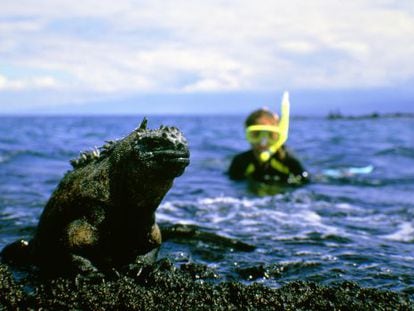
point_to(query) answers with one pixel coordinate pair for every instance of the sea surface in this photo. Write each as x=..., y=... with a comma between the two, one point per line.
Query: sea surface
x=354, y=221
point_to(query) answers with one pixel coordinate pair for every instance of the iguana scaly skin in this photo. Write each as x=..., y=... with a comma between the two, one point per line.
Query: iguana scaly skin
x=102, y=213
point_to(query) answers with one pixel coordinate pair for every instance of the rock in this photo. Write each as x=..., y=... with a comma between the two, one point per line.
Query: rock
x=11, y=294
x=162, y=286
x=188, y=233
x=102, y=214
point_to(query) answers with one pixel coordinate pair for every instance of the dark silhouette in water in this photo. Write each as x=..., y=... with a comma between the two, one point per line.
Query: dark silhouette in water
x=188, y=233
x=337, y=115
x=102, y=214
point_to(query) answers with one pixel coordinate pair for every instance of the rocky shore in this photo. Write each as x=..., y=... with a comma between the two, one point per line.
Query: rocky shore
x=163, y=286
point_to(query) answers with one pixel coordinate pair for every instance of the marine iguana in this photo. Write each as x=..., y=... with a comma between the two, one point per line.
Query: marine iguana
x=102, y=213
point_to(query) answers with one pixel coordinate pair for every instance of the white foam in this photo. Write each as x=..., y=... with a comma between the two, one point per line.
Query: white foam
x=275, y=217
x=405, y=233
x=225, y=200
x=345, y=206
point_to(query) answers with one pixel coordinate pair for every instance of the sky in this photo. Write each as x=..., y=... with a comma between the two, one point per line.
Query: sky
x=197, y=56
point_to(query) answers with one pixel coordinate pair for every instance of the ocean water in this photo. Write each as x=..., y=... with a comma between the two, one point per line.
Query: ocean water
x=354, y=221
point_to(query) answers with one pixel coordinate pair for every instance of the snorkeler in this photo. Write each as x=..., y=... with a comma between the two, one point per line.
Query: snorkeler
x=268, y=160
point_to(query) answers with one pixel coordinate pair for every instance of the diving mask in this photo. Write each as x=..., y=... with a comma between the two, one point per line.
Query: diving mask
x=273, y=135
x=256, y=134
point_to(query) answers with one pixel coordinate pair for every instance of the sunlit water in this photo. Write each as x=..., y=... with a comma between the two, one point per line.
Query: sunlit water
x=355, y=227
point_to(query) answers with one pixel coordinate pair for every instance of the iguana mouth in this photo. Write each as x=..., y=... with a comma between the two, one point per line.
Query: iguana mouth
x=172, y=156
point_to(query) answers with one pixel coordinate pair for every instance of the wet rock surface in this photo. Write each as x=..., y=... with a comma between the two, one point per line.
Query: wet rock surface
x=187, y=233
x=164, y=286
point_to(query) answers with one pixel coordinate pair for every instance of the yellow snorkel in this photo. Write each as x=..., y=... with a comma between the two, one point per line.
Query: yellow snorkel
x=282, y=129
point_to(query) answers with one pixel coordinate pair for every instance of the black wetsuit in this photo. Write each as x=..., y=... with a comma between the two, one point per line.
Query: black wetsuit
x=284, y=170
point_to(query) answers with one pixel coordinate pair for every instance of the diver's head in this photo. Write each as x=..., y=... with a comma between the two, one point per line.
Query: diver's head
x=265, y=132
x=261, y=116
x=262, y=130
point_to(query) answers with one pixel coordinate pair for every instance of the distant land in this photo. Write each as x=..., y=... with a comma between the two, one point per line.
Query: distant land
x=375, y=115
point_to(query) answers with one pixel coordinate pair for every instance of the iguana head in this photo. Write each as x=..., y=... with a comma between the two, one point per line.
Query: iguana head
x=164, y=150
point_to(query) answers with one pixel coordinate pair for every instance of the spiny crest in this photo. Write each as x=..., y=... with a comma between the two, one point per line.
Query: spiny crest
x=94, y=155
x=107, y=148
x=143, y=125
x=85, y=158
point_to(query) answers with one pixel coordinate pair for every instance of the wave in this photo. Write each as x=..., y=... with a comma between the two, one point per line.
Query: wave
x=291, y=216
x=405, y=233
x=363, y=181
x=8, y=156
x=397, y=151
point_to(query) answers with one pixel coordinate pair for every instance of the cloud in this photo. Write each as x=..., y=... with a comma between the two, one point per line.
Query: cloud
x=39, y=82
x=300, y=47
x=204, y=46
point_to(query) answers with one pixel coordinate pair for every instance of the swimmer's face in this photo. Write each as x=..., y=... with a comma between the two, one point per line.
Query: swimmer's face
x=262, y=140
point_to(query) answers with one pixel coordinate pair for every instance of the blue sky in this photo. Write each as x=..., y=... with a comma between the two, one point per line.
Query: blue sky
x=217, y=56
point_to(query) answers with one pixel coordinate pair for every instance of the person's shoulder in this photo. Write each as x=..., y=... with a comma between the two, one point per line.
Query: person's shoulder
x=287, y=157
x=288, y=153
x=295, y=165
x=238, y=165
x=243, y=155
